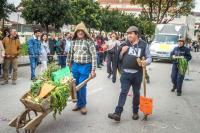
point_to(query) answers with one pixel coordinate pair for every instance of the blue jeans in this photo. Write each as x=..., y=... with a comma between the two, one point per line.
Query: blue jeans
x=177, y=78
x=81, y=72
x=62, y=60
x=128, y=80
x=34, y=62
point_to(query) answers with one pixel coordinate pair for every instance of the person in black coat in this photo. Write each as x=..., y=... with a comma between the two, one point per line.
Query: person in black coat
x=177, y=78
x=128, y=60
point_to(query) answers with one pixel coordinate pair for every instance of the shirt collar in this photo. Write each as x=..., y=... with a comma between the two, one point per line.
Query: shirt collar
x=34, y=37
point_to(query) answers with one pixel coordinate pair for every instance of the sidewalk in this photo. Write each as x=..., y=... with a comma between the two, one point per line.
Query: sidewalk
x=23, y=61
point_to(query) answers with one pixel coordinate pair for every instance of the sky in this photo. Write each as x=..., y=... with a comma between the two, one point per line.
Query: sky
x=197, y=4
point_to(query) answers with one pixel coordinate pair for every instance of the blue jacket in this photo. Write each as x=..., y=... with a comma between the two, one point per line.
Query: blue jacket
x=181, y=51
x=34, y=47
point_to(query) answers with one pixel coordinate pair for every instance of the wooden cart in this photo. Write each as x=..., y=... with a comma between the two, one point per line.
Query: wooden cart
x=34, y=113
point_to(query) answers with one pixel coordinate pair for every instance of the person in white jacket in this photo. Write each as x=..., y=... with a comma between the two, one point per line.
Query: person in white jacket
x=2, y=53
x=44, y=52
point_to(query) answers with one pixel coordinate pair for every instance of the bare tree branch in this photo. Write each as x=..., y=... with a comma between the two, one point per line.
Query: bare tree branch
x=159, y=10
x=169, y=3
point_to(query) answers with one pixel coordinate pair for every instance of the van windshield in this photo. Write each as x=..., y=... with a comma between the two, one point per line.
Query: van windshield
x=172, y=39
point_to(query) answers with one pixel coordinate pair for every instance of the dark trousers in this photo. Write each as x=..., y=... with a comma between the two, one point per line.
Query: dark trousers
x=1, y=68
x=98, y=59
x=128, y=80
x=101, y=54
x=50, y=57
x=104, y=56
x=177, y=78
x=110, y=61
x=62, y=60
x=196, y=49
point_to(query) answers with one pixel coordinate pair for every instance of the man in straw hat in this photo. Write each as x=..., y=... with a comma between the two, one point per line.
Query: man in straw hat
x=179, y=52
x=130, y=57
x=82, y=59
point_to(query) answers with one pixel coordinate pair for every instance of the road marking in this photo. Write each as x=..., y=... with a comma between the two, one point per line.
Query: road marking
x=178, y=128
x=95, y=91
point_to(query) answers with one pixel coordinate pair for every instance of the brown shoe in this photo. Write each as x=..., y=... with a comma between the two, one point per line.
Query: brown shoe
x=76, y=108
x=83, y=111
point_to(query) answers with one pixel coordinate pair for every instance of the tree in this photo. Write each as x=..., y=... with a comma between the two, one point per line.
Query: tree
x=110, y=20
x=105, y=20
x=146, y=27
x=114, y=20
x=156, y=10
x=87, y=11
x=46, y=12
x=5, y=10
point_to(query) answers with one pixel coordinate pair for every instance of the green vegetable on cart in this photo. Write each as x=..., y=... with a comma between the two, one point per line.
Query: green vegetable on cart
x=53, y=76
x=35, y=87
x=59, y=98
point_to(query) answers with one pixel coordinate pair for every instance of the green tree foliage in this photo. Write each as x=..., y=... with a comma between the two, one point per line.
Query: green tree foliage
x=115, y=20
x=59, y=12
x=5, y=10
x=156, y=10
x=46, y=12
x=146, y=27
x=87, y=11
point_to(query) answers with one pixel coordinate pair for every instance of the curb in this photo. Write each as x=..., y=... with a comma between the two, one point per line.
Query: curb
x=22, y=65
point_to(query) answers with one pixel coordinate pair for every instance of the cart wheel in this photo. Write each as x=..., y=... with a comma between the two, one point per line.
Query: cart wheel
x=24, y=118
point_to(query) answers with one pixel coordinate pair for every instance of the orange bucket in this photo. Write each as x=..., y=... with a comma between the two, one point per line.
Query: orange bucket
x=146, y=105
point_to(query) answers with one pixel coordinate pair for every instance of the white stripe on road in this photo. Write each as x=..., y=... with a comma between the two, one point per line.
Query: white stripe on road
x=95, y=91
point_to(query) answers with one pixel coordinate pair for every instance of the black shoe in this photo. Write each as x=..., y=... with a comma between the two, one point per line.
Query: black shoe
x=173, y=89
x=109, y=75
x=114, y=116
x=98, y=66
x=178, y=94
x=135, y=116
x=102, y=64
x=113, y=80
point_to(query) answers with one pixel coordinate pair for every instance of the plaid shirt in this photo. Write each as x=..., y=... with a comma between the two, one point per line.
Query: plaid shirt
x=82, y=51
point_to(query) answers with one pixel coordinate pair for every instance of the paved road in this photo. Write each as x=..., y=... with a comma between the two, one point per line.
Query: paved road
x=171, y=113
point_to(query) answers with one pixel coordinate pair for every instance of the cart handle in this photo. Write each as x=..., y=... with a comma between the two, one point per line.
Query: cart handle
x=144, y=77
x=78, y=87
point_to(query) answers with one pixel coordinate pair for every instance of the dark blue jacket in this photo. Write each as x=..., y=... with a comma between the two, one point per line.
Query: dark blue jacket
x=34, y=47
x=181, y=51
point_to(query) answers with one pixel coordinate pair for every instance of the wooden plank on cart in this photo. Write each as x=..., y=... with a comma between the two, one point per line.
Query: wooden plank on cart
x=35, y=122
x=12, y=123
